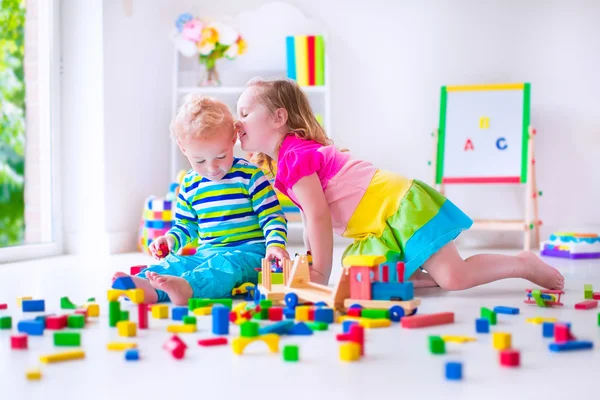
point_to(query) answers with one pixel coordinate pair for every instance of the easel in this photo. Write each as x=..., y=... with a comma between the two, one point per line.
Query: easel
x=531, y=220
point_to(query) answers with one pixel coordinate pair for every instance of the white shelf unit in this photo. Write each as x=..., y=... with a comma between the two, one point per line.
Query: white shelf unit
x=265, y=30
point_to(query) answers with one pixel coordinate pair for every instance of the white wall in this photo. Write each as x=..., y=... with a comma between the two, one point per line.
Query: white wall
x=388, y=61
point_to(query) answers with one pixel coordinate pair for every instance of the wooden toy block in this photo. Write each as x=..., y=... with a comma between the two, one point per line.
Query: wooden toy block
x=425, y=320
x=437, y=345
x=347, y=324
x=93, y=310
x=127, y=328
x=136, y=269
x=482, y=325
x=324, y=315
x=162, y=251
x=203, y=311
x=506, y=310
x=375, y=313
x=76, y=321
x=33, y=374
x=349, y=352
x=368, y=323
x=67, y=304
x=453, y=371
x=596, y=296
x=540, y=320
x=3, y=306
x=33, y=305
x=176, y=347
x=271, y=340
x=6, y=322
x=143, y=316
x=317, y=326
x=458, y=339
x=160, y=311
x=114, y=313
x=189, y=320
x=31, y=327
x=279, y=328
x=302, y=313
x=135, y=295
x=181, y=328
x=501, y=340
x=571, y=345
x=548, y=329
x=64, y=356
x=132, y=355
x=586, y=305
x=588, y=291
x=489, y=315
x=510, y=358
x=220, y=320
x=356, y=335
x=275, y=314
x=18, y=342
x=562, y=333
x=194, y=303
x=218, y=341
x=249, y=329
x=177, y=313
x=124, y=315
x=300, y=329
x=20, y=300
x=123, y=283
x=120, y=346
x=67, y=339
x=291, y=353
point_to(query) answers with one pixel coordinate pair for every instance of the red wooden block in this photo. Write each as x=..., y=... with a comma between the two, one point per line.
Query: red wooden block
x=56, y=322
x=276, y=314
x=586, y=305
x=3, y=306
x=143, y=316
x=354, y=312
x=423, y=320
x=596, y=296
x=311, y=314
x=385, y=274
x=400, y=271
x=232, y=316
x=510, y=358
x=136, y=269
x=562, y=333
x=356, y=335
x=218, y=341
x=176, y=347
x=18, y=342
x=163, y=251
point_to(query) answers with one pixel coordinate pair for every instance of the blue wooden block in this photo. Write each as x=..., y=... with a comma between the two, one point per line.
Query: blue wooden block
x=506, y=310
x=324, y=315
x=300, y=329
x=34, y=305
x=132, y=355
x=177, y=313
x=290, y=313
x=548, y=329
x=482, y=325
x=280, y=328
x=220, y=320
x=31, y=327
x=320, y=304
x=454, y=371
x=396, y=291
x=571, y=345
x=123, y=283
x=347, y=324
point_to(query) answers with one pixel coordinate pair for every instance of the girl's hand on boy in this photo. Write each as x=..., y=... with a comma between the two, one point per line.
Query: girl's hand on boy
x=276, y=253
x=161, y=247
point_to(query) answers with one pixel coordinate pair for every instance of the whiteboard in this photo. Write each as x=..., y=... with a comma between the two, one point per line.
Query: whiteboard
x=483, y=132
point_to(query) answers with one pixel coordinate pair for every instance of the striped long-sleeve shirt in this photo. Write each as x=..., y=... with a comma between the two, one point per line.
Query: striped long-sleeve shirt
x=241, y=208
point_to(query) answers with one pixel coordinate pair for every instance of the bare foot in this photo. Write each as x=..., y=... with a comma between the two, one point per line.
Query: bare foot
x=150, y=295
x=421, y=279
x=178, y=289
x=540, y=273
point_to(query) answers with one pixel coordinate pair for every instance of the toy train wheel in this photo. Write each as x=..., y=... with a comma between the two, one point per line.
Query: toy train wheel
x=356, y=306
x=414, y=311
x=291, y=300
x=396, y=313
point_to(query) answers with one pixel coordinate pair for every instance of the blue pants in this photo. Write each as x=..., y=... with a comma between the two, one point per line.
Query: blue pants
x=212, y=272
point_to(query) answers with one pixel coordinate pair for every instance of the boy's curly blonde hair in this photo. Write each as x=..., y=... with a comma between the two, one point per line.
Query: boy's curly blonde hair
x=200, y=117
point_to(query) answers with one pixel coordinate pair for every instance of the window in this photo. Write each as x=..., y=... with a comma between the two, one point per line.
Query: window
x=28, y=125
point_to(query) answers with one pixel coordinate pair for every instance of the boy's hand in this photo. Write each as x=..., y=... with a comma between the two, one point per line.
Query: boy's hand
x=161, y=246
x=276, y=253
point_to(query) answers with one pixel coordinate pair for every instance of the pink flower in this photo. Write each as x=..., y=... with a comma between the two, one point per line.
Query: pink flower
x=192, y=30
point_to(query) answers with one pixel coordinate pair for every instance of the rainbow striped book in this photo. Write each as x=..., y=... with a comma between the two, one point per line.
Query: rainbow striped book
x=306, y=60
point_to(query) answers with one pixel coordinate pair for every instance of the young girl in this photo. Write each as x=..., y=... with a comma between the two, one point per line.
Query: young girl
x=224, y=201
x=385, y=213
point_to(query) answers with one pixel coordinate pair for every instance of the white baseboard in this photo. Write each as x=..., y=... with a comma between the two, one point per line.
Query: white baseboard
x=101, y=243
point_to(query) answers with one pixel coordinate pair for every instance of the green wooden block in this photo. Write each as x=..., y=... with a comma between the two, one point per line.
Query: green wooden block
x=317, y=326
x=290, y=353
x=124, y=316
x=276, y=278
x=91, y=300
x=262, y=315
x=67, y=339
x=249, y=329
x=266, y=304
x=437, y=345
x=66, y=304
x=372, y=313
x=489, y=315
x=199, y=303
x=189, y=320
x=114, y=313
x=588, y=291
x=6, y=322
x=76, y=321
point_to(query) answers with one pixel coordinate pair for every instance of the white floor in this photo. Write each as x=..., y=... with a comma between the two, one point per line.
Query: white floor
x=397, y=361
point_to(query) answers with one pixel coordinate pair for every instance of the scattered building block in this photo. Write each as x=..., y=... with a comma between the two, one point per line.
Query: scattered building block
x=67, y=304
x=123, y=283
x=33, y=374
x=189, y=320
x=176, y=347
x=6, y=322
x=271, y=340
x=300, y=329
x=120, y=346
x=18, y=342
x=218, y=341
x=76, y=321
x=31, y=327
x=291, y=353
x=136, y=269
x=160, y=311
x=540, y=320
x=64, y=356
x=453, y=371
x=135, y=295
x=586, y=305
x=501, y=340
x=275, y=314
x=366, y=322
x=354, y=312
x=355, y=335
x=20, y=300
x=424, y=320
x=317, y=326
x=506, y=310
x=458, y=339
x=347, y=324
x=548, y=329
x=588, y=291
x=33, y=305
x=124, y=315
x=571, y=345
x=185, y=328
x=349, y=352
x=3, y=306
x=202, y=311
x=324, y=315
x=93, y=310
x=142, y=316
x=510, y=358
x=489, y=315
x=177, y=313
x=114, y=313
x=220, y=320
x=482, y=325
x=375, y=313
x=437, y=345
x=302, y=313
x=279, y=328
x=562, y=333
x=67, y=339
x=132, y=355
x=198, y=303
x=127, y=328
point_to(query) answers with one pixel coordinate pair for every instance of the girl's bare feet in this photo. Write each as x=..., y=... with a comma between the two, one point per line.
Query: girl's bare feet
x=178, y=289
x=150, y=295
x=540, y=273
x=422, y=279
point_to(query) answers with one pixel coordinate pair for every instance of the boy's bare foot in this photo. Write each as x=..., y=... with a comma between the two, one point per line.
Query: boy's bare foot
x=150, y=295
x=178, y=289
x=540, y=273
x=421, y=279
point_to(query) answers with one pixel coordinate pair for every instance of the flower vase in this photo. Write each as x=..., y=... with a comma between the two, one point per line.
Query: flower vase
x=212, y=77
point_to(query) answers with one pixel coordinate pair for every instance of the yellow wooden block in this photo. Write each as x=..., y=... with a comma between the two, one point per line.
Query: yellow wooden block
x=202, y=311
x=33, y=374
x=160, y=311
x=501, y=340
x=540, y=320
x=239, y=307
x=458, y=339
x=270, y=339
x=20, y=300
x=135, y=295
x=186, y=328
x=367, y=323
x=120, y=346
x=127, y=328
x=363, y=261
x=302, y=313
x=64, y=356
x=349, y=351
x=93, y=310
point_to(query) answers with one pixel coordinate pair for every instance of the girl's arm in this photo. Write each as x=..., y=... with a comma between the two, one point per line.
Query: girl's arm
x=317, y=225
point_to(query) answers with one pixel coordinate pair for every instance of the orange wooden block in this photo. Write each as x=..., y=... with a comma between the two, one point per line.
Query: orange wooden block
x=424, y=320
